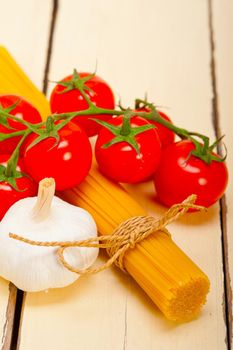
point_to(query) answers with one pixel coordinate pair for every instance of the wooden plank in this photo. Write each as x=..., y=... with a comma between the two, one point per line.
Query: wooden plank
x=222, y=12
x=161, y=47
x=7, y=308
x=24, y=29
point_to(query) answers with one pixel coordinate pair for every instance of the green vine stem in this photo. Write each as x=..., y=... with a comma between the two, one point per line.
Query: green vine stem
x=203, y=150
x=125, y=129
x=9, y=136
x=13, y=160
x=49, y=128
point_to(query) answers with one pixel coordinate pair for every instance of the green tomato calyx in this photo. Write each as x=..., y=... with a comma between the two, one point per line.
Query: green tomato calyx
x=76, y=83
x=205, y=151
x=125, y=132
x=9, y=175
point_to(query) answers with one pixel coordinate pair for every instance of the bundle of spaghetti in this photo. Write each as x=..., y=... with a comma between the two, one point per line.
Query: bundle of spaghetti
x=171, y=279
x=13, y=80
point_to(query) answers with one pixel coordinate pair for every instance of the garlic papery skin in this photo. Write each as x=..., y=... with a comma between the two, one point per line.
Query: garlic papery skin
x=44, y=218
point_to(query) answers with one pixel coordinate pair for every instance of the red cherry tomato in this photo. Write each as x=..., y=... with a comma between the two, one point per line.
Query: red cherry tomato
x=179, y=176
x=68, y=162
x=9, y=195
x=25, y=111
x=166, y=135
x=120, y=162
x=100, y=94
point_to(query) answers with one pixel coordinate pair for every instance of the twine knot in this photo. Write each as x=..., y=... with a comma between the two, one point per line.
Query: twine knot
x=126, y=236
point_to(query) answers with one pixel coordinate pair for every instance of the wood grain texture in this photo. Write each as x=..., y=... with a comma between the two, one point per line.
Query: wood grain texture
x=24, y=32
x=7, y=306
x=9, y=317
x=161, y=47
x=223, y=53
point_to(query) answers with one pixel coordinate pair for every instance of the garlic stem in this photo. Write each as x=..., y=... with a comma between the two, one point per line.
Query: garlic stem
x=44, y=199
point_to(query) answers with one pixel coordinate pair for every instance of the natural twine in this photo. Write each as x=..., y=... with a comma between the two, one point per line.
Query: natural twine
x=123, y=238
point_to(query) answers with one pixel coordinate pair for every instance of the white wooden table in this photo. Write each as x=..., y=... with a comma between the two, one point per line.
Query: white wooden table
x=180, y=52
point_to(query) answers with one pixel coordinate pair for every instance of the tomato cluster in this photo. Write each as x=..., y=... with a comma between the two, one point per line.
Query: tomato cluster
x=128, y=148
x=68, y=160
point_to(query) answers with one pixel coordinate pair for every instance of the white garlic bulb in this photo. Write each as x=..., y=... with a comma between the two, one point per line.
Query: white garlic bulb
x=44, y=218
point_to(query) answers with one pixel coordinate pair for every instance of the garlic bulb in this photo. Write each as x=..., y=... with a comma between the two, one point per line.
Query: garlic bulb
x=44, y=218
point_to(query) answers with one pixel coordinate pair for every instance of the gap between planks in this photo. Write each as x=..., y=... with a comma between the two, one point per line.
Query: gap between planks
x=10, y=318
x=50, y=45
x=16, y=319
x=223, y=205
x=15, y=304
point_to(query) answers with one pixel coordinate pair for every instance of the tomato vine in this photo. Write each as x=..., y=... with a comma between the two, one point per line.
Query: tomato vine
x=50, y=127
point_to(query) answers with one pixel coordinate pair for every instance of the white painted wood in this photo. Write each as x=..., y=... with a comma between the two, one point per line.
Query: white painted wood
x=24, y=28
x=161, y=47
x=24, y=32
x=223, y=29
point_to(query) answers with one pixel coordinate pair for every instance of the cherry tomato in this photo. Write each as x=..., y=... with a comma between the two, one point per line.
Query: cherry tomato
x=166, y=135
x=180, y=175
x=100, y=94
x=120, y=162
x=68, y=162
x=23, y=110
x=8, y=195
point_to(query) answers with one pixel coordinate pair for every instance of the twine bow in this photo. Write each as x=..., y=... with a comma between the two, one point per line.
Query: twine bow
x=124, y=237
